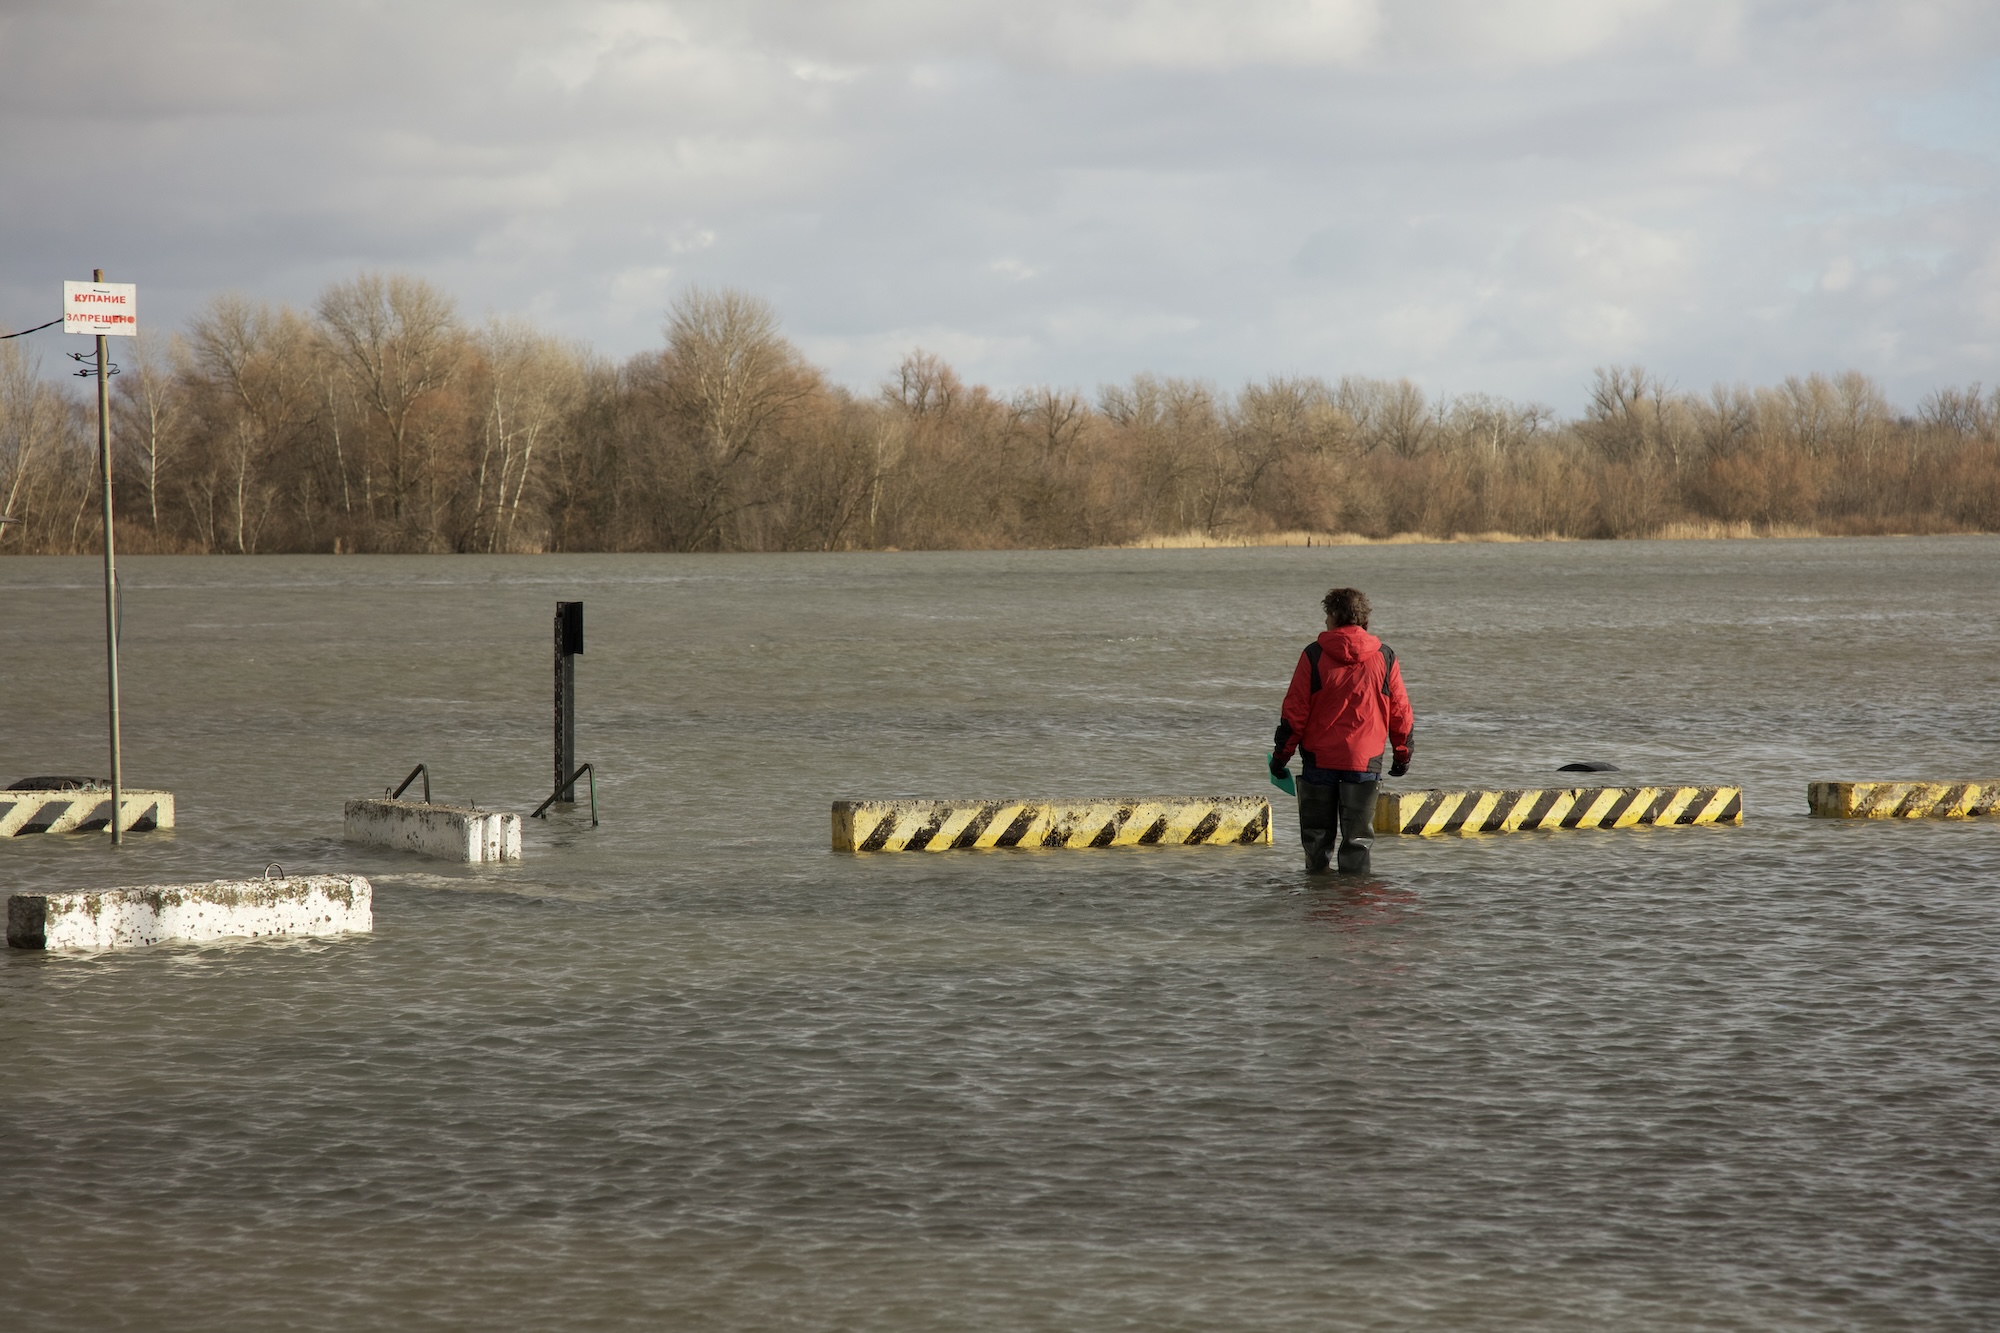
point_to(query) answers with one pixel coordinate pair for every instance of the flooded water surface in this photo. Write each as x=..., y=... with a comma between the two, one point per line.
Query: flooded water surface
x=691, y=1069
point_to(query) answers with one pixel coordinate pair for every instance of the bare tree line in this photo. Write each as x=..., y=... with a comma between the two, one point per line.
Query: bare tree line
x=380, y=421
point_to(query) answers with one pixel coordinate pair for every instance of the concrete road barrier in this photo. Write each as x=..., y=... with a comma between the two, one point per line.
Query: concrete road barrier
x=450, y=832
x=1428, y=813
x=82, y=810
x=1903, y=800
x=142, y=914
x=938, y=826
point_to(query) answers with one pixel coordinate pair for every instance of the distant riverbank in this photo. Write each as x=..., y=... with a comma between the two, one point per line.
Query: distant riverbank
x=137, y=541
x=1698, y=531
x=268, y=430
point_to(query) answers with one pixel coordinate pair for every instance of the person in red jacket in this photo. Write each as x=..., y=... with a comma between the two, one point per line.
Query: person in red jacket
x=1345, y=702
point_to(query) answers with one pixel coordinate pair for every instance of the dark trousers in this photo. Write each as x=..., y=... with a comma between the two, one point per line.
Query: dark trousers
x=1337, y=823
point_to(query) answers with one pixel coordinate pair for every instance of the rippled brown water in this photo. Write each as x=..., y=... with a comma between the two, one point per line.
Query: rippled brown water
x=690, y=1069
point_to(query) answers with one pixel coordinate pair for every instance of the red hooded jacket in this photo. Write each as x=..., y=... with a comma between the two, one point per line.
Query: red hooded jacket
x=1345, y=701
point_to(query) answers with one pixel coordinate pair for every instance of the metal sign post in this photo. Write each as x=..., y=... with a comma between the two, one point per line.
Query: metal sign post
x=106, y=309
x=569, y=642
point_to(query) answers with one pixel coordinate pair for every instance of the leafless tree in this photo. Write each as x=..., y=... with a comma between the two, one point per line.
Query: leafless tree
x=726, y=383
x=1386, y=414
x=43, y=471
x=1175, y=429
x=532, y=386
x=400, y=342
x=151, y=409
x=254, y=364
x=1962, y=413
x=1624, y=419
x=924, y=386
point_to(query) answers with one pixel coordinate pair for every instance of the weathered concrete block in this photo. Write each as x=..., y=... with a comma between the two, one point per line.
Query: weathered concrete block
x=1903, y=800
x=82, y=810
x=1429, y=813
x=1139, y=821
x=141, y=914
x=449, y=832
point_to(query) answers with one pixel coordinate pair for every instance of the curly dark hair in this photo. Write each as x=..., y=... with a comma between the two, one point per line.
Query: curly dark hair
x=1346, y=606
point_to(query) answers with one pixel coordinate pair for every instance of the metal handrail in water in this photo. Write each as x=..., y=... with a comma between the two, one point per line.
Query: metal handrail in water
x=418, y=772
x=561, y=787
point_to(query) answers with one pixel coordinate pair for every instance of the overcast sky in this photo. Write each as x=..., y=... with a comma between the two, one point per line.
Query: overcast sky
x=1491, y=195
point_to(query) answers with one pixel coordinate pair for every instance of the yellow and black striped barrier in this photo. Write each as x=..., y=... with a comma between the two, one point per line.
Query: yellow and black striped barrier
x=949, y=826
x=1903, y=800
x=80, y=809
x=1428, y=813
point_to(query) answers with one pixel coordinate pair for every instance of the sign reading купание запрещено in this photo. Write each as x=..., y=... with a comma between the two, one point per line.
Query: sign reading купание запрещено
x=101, y=307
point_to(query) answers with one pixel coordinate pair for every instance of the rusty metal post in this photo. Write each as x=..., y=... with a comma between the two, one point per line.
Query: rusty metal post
x=110, y=578
x=569, y=642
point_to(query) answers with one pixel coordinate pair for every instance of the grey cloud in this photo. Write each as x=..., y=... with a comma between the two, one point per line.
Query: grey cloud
x=1484, y=196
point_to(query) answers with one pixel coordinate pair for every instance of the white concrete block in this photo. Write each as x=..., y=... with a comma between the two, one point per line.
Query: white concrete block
x=141, y=914
x=450, y=832
x=83, y=809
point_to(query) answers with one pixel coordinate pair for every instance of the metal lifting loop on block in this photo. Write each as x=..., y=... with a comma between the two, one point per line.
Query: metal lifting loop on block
x=273, y=866
x=420, y=771
x=583, y=771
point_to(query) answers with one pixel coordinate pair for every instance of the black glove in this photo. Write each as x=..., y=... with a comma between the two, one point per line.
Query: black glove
x=1400, y=766
x=1278, y=766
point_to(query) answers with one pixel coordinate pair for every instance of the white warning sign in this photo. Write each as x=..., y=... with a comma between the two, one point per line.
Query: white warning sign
x=101, y=307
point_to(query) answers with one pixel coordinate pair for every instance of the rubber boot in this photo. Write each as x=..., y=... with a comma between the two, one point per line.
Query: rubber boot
x=1357, y=825
x=1317, y=823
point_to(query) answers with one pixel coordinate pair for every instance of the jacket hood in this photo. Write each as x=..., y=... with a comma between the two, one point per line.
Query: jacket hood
x=1349, y=643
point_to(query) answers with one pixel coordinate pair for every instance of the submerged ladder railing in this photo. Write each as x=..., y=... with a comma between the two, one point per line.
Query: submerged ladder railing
x=569, y=785
x=418, y=772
